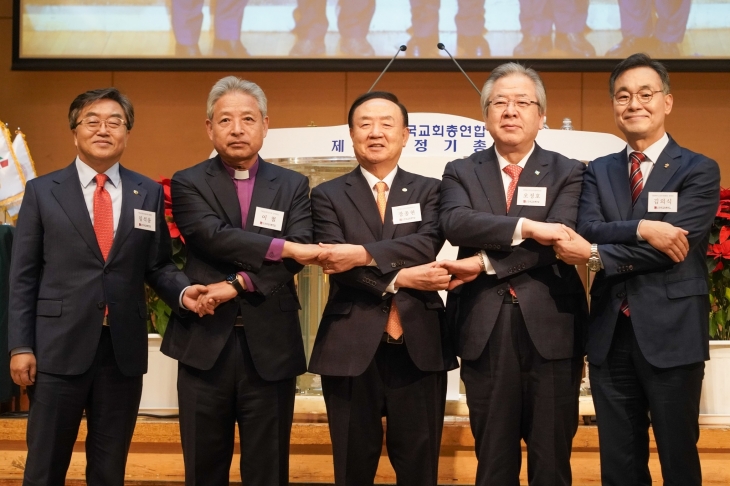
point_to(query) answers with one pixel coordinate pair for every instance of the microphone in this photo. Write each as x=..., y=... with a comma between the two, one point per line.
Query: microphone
x=401, y=48
x=443, y=48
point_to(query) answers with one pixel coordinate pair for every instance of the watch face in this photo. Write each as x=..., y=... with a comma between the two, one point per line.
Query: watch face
x=231, y=278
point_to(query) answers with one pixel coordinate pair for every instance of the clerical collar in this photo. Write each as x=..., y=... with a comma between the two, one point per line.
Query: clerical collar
x=242, y=174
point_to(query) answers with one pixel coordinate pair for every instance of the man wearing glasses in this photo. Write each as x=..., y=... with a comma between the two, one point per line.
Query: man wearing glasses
x=518, y=320
x=648, y=211
x=88, y=237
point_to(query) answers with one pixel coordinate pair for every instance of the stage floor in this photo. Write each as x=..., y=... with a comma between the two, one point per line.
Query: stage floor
x=156, y=455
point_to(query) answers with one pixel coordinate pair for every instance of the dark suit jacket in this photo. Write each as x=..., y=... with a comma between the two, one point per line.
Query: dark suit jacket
x=668, y=301
x=345, y=211
x=60, y=284
x=206, y=209
x=474, y=216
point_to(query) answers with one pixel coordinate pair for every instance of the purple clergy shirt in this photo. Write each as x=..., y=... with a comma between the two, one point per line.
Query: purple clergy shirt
x=244, y=189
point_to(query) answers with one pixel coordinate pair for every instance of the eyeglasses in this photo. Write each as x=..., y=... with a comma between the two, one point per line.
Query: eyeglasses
x=643, y=95
x=501, y=104
x=112, y=123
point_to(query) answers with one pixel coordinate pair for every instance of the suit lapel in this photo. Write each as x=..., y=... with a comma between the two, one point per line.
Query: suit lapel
x=536, y=168
x=618, y=176
x=490, y=178
x=399, y=195
x=264, y=192
x=670, y=160
x=362, y=197
x=133, y=197
x=70, y=197
x=224, y=190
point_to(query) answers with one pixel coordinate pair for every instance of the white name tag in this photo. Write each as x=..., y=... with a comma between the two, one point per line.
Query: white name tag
x=531, y=196
x=268, y=218
x=663, y=202
x=144, y=220
x=407, y=214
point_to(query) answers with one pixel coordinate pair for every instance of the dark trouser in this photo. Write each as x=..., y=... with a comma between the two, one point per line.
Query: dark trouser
x=425, y=18
x=513, y=393
x=669, y=24
x=187, y=19
x=57, y=403
x=537, y=17
x=413, y=403
x=626, y=388
x=353, y=18
x=213, y=401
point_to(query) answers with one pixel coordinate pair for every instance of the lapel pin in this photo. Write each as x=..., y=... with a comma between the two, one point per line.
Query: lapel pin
x=537, y=172
x=666, y=166
x=136, y=192
x=405, y=189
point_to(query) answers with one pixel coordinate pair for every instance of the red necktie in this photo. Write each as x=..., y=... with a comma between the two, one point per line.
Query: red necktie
x=636, y=180
x=514, y=171
x=636, y=183
x=393, y=327
x=103, y=216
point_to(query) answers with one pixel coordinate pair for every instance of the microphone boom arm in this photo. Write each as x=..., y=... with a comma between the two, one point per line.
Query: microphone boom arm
x=401, y=48
x=443, y=48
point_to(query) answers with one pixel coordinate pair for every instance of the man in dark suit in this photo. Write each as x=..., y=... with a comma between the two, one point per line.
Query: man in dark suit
x=655, y=26
x=648, y=211
x=381, y=347
x=518, y=321
x=87, y=239
x=240, y=217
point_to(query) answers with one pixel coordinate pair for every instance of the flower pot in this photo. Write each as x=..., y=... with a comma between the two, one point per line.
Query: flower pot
x=715, y=399
x=159, y=389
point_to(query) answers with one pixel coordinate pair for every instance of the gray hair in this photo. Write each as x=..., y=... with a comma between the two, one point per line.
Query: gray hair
x=511, y=69
x=233, y=84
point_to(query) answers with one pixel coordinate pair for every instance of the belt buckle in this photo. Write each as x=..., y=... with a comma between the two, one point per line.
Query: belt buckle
x=391, y=340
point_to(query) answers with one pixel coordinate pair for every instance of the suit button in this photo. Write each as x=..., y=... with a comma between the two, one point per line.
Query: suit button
x=106, y=271
x=393, y=265
x=101, y=305
x=621, y=295
x=238, y=264
x=631, y=267
x=385, y=310
x=500, y=292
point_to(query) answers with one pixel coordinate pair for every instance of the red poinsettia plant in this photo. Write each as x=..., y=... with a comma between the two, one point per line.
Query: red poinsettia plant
x=158, y=311
x=718, y=264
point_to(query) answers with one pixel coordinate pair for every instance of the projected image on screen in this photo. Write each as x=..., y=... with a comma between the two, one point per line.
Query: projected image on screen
x=280, y=29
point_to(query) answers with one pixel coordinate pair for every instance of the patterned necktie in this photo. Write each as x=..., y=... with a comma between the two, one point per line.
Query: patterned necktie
x=636, y=183
x=103, y=216
x=393, y=327
x=512, y=170
x=636, y=180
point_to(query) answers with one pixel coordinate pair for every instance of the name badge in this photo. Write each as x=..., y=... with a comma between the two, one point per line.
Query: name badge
x=531, y=196
x=144, y=220
x=268, y=218
x=407, y=214
x=663, y=202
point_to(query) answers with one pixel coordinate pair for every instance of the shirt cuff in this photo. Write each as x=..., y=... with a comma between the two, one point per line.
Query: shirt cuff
x=274, y=252
x=179, y=300
x=250, y=287
x=372, y=263
x=21, y=350
x=391, y=287
x=488, y=268
x=638, y=236
x=517, y=238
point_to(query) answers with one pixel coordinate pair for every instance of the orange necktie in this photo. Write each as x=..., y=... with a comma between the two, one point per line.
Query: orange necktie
x=512, y=170
x=393, y=327
x=103, y=216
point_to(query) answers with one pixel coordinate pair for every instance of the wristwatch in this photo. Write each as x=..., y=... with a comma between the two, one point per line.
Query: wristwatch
x=594, y=262
x=233, y=280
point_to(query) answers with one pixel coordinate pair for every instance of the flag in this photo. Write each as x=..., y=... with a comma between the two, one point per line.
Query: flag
x=12, y=180
x=22, y=155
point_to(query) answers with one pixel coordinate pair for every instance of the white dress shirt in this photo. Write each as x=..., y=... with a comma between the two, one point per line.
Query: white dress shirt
x=113, y=186
x=506, y=181
x=651, y=153
x=372, y=182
